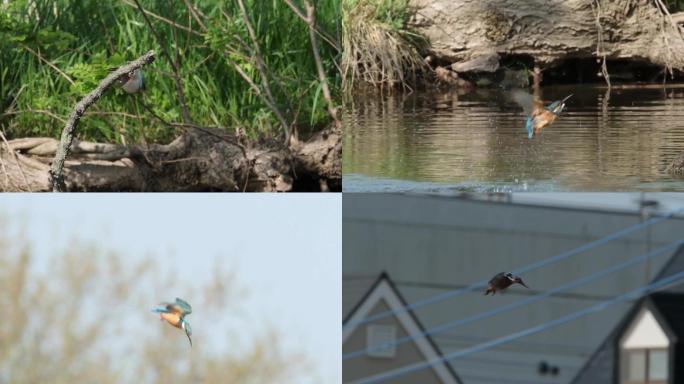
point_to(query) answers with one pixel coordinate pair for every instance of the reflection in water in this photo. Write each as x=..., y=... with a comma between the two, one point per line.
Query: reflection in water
x=622, y=140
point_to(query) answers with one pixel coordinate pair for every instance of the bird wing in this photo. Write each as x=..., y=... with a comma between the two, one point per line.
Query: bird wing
x=183, y=305
x=558, y=106
x=179, y=307
x=525, y=100
x=529, y=126
x=496, y=277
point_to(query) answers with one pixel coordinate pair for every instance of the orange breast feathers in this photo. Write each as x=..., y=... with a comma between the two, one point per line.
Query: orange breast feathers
x=172, y=318
x=543, y=118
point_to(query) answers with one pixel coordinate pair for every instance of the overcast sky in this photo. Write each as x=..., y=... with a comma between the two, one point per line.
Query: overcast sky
x=286, y=249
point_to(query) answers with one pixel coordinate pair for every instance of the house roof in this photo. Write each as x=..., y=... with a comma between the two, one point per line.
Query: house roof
x=668, y=308
x=670, y=312
x=384, y=289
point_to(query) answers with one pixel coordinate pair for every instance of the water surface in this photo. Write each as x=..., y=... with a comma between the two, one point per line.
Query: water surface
x=443, y=141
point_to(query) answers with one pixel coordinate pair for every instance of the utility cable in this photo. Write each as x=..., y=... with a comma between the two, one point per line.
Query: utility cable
x=532, y=299
x=631, y=295
x=538, y=264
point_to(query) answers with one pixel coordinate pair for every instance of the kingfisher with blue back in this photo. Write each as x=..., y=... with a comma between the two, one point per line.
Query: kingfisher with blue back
x=538, y=115
x=174, y=314
x=133, y=82
x=501, y=281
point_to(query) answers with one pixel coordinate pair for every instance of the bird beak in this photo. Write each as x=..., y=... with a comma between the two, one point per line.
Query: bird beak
x=523, y=284
x=189, y=339
x=569, y=96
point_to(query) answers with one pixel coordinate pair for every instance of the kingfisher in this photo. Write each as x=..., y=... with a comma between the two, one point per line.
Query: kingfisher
x=174, y=313
x=133, y=82
x=503, y=280
x=538, y=116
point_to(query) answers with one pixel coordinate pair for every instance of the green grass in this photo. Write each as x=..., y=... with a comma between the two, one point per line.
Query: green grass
x=674, y=5
x=84, y=38
x=378, y=48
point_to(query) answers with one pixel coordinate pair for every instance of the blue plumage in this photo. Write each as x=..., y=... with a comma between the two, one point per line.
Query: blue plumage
x=134, y=82
x=174, y=313
x=538, y=115
x=529, y=125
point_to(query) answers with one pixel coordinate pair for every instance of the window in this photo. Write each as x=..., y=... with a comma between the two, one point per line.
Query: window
x=657, y=366
x=644, y=366
x=380, y=340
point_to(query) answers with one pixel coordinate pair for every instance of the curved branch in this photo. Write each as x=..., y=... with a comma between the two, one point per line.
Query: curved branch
x=57, y=170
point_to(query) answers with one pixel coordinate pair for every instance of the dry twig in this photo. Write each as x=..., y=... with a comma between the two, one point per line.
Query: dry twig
x=163, y=19
x=261, y=67
x=185, y=112
x=310, y=20
x=599, y=44
x=50, y=65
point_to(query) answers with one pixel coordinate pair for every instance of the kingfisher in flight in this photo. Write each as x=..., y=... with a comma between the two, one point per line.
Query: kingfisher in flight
x=174, y=314
x=538, y=115
x=503, y=280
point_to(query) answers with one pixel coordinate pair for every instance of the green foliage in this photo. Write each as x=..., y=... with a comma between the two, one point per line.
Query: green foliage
x=83, y=39
x=393, y=13
x=674, y=5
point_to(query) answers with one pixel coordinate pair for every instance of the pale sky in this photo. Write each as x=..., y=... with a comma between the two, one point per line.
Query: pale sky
x=286, y=249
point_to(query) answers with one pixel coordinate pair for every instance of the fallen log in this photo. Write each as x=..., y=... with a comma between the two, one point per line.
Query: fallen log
x=198, y=160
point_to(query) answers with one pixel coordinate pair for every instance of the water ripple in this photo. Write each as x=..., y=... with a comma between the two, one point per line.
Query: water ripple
x=477, y=142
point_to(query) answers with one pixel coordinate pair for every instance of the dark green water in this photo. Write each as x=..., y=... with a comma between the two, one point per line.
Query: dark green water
x=447, y=142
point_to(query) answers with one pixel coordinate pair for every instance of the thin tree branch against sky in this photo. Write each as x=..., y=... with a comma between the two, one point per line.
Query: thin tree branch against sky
x=284, y=250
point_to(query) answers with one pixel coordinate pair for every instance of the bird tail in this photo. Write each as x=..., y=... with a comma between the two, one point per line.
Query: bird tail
x=529, y=125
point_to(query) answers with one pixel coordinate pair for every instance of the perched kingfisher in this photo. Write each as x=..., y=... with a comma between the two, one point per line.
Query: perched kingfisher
x=538, y=116
x=133, y=82
x=502, y=281
x=174, y=314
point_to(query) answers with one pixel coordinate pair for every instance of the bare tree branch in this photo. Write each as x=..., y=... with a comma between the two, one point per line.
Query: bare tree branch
x=195, y=14
x=311, y=21
x=57, y=170
x=185, y=112
x=50, y=65
x=163, y=19
x=261, y=67
x=322, y=33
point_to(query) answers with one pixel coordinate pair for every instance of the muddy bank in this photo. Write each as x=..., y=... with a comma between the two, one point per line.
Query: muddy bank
x=467, y=36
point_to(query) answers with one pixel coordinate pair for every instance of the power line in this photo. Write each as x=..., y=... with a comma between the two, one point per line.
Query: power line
x=527, y=268
x=531, y=347
x=634, y=294
x=526, y=292
x=571, y=285
x=513, y=363
x=503, y=380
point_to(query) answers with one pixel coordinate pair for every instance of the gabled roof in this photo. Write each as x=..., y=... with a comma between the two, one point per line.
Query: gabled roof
x=669, y=310
x=667, y=307
x=384, y=290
